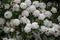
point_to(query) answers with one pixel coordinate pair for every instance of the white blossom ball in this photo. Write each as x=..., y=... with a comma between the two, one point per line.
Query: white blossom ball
x=15, y=22
x=28, y=9
x=5, y=38
x=17, y=1
x=42, y=10
x=15, y=7
x=36, y=3
x=19, y=17
x=42, y=5
x=54, y=10
x=6, y=6
x=41, y=16
x=7, y=23
x=31, y=8
x=8, y=14
x=2, y=21
x=23, y=5
x=47, y=23
x=36, y=13
x=11, y=22
x=35, y=25
x=25, y=20
x=29, y=25
x=56, y=26
x=43, y=29
x=28, y=2
x=49, y=4
x=50, y=31
x=48, y=14
x=56, y=34
x=58, y=18
x=11, y=39
x=12, y=29
x=27, y=28
x=25, y=13
x=6, y=29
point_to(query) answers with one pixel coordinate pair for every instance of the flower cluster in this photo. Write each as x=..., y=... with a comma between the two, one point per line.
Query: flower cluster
x=25, y=17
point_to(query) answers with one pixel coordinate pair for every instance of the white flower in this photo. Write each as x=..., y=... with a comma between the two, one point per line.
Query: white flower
x=27, y=28
x=2, y=21
x=54, y=10
x=17, y=1
x=36, y=3
x=15, y=22
x=25, y=20
x=11, y=39
x=4, y=38
x=19, y=37
x=12, y=29
x=7, y=23
x=19, y=17
x=48, y=14
x=35, y=25
x=23, y=5
x=7, y=6
x=25, y=13
x=8, y=14
x=28, y=2
x=49, y=4
x=11, y=22
x=42, y=5
x=58, y=18
x=50, y=31
x=56, y=26
x=43, y=29
x=15, y=7
x=36, y=13
x=28, y=9
x=47, y=23
x=57, y=34
x=6, y=29
x=42, y=10
x=29, y=25
x=31, y=8
x=41, y=16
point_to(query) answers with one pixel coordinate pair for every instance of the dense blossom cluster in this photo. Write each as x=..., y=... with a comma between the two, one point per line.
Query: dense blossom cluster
x=24, y=10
